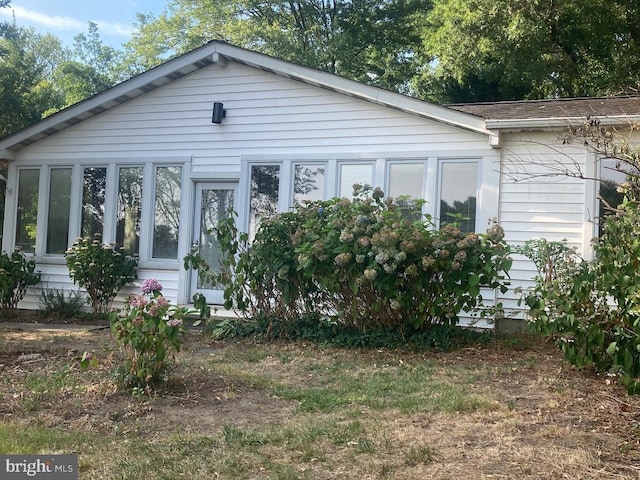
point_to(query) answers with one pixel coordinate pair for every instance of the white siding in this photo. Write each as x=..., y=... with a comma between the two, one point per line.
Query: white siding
x=543, y=194
x=268, y=116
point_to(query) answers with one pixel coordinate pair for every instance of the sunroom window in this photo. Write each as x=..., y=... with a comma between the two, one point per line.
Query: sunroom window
x=351, y=174
x=27, y=217
x=94, y=191
x=166, y=224
x=58, y=214
x=129, y=209
x=308, y=182
x=406, y=185
x=458, y=190
x=264, y=191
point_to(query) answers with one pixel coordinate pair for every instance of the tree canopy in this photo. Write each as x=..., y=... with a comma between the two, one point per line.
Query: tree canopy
x=530, y=49
x=367, y=40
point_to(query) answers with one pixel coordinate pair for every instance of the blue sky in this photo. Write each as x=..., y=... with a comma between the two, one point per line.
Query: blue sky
x=67, y=18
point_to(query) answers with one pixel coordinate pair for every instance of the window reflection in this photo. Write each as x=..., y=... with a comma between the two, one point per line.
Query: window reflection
x=59, y=204
x=308, y=183
x=263, y=196
x=166, y=225
x=458, y=189
x=27, y=218
x=94, y=182
x=351, y=174
x=129, y=209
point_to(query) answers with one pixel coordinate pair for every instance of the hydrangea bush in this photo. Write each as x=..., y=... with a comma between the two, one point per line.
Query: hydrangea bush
x=149, y=331
x=365, y=262
x=101, y=269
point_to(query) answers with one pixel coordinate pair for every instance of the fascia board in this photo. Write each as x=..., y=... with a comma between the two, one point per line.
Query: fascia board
x=559, y=122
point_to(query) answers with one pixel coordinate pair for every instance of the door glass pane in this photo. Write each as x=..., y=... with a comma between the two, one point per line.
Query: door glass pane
x=352, y=174
x=59, y=204
x=94, y=182
x=27, y=218
x=308, y=183
x=265, y=184
x=458, y=189
x=166, y=225
x=407, y=180
x=214, y=207
x=129, y=209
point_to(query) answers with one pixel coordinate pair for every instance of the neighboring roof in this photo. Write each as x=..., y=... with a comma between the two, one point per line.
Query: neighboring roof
x=551, y=112
x=220, y=52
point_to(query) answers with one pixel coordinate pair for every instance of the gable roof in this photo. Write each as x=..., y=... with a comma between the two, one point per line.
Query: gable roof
x=220, y=52
x=554, y=112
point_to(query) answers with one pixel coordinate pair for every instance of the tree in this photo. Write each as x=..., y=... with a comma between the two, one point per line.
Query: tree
x=25, y=90
x=368, y=40
x=513, y=50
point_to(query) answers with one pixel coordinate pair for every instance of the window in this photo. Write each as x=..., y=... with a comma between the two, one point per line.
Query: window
x=458, y=189
x=27, y=217
x=58, y=214
x=94, y=183
x=351, y=174
x=407, y=180
x=166, y=224
x=129, y=209
x=263, y=194
x=308, y=183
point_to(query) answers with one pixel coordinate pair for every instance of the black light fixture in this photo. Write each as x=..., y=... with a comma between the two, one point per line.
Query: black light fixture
x=218, y=113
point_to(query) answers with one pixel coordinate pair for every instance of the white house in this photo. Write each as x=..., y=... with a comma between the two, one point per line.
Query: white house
x=151, y=162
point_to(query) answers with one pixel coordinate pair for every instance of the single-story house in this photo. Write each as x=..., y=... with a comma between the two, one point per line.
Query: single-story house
x=153, y=161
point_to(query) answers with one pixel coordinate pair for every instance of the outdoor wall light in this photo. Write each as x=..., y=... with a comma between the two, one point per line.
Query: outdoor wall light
x=218, y=113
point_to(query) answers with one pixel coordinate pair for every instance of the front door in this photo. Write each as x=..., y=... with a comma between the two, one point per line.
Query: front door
x=213, y=201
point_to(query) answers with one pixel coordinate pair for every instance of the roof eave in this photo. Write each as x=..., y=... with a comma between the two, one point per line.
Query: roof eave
x=558, y=122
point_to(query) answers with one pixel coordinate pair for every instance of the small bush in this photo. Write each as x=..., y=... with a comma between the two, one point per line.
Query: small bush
x=17, y=273
x=58, y=303
x=101, y=269
x=149, y=331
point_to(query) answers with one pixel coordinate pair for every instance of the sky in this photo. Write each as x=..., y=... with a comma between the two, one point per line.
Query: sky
x=67, y=18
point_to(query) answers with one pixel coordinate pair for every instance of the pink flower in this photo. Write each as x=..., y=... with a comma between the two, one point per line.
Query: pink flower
x=151, y=285
x=174, y=322
x=162, y=302
x=137, y=301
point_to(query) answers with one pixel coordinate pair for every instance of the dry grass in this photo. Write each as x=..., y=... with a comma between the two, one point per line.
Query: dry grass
x=295, y=411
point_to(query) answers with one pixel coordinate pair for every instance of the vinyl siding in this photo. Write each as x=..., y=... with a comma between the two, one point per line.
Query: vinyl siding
x=268, y=116
x=539, y=198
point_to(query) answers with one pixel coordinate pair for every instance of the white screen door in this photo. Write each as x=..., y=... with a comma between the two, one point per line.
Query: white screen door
x=213, y=201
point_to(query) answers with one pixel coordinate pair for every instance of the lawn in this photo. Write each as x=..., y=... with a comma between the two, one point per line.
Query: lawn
x=247, y=410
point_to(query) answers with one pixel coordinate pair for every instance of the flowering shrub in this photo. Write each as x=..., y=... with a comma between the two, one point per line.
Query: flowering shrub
x=363, y=262
x=101, y=269
x=149, y=331
x=17, y=273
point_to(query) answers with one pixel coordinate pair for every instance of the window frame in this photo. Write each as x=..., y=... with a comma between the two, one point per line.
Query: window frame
x=438, y=198
x=113, y=167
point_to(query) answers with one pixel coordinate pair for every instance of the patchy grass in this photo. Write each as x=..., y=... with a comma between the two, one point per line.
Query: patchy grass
x=234, y=410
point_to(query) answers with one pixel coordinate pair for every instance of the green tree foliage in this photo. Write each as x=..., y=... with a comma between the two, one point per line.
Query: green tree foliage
x=25, y=90
x=513, y=50
x=368, y=40
x=90, y=67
